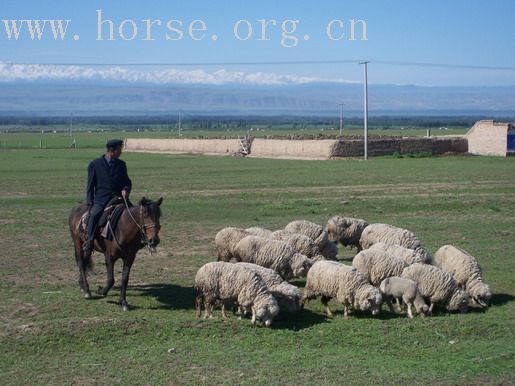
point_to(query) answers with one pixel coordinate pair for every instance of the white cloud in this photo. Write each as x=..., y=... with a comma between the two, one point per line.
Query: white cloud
x=34, y=72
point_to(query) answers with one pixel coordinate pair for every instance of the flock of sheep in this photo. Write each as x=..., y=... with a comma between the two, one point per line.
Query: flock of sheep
x=391, y=264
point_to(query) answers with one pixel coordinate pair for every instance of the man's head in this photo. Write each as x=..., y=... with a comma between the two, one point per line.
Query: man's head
x=114, y=148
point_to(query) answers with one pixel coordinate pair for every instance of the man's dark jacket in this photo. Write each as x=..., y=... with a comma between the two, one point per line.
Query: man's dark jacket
x=106, y=182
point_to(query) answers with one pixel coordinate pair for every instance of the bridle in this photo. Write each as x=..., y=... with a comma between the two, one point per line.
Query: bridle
x=143, y=226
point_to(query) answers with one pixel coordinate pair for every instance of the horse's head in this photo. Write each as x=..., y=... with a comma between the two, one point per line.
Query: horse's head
x=150, y=212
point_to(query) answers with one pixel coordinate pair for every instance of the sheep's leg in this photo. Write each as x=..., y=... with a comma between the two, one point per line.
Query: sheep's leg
x=399, y=308
x=410, y=314
x=430, y=311
x=223, y=311
x=346, y=312
x=199, y=302
x=253, y=315
x=325, y=301
x=208, y=313
x=390, y=305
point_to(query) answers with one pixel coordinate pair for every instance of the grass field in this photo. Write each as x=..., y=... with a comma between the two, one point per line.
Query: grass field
x=49, y=334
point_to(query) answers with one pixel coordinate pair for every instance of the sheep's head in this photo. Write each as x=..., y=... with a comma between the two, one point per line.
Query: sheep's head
x=333, y=228
x=459, y=301
x=420, y=305
x=300, y=265
x=480, y=293
x=371, y=300
x=330, y=250
x=267, y=311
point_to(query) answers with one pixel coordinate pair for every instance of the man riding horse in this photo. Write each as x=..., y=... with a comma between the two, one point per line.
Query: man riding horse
x=107, y=179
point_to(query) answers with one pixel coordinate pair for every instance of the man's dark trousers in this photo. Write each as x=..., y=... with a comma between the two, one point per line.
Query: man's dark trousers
x=94, y=217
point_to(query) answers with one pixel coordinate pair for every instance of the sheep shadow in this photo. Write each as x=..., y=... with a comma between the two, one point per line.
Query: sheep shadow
x=171, y=296
x=501, y=299
x=298, y=321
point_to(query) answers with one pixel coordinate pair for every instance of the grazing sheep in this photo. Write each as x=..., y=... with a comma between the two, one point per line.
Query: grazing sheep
x=273, y=254
x=467, y=272
x=300, y=243
x=388, y=234
x=350, y=287
x=329, y=251
x=405, y=289
x=220, y=282
x=226, y=240
x=260, y=232
x=378, y=266
x=346, y=230
x=286, y=294
x=314, y=232
x=410, y=256
x=437, y=286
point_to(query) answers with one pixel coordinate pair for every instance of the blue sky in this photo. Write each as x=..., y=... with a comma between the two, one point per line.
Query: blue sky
x=457, y=32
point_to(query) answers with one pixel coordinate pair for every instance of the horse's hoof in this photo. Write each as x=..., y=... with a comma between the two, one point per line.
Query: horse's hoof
x=87, y=295
x=125, y=307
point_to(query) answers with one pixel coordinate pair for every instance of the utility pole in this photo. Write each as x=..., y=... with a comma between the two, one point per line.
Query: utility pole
x=180, y=123
x=365, y=97
x=341, y=118
x=71, y=124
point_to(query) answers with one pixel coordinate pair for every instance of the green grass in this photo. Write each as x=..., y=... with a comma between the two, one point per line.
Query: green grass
x=49, y=334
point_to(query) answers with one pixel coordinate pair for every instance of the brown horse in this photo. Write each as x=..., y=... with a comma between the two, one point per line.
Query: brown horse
x=138, y=226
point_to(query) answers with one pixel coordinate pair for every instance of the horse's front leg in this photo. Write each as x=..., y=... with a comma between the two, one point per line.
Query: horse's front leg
x=110, y=275
x=127, y=264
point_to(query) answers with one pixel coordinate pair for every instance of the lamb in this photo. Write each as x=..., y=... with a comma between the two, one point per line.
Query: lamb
x=273, y=254
x=410, y=256
x=467, y=272
x=226, y=240
x=220, y=282
x=346, y=230
x=378, y=266
x=437, y=286
x=286, y=294
x=405, y=289
x=388, y=234
x=300, y=243
x=260, y=232
x=350, y=287
x=316, y=233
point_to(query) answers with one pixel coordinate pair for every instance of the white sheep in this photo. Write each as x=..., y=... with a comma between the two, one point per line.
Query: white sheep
x=226, y=240
x=315, y=232
x=391, y=235
x=273, y=254
x=410, y=256
x=300, y=243
x=260, y=232
x=437, y=286
x=330, y=279
x=401, y=288
x=220, y=282
x=286, y=294
x=467, y=272
x=346, y=230
x=377, y=266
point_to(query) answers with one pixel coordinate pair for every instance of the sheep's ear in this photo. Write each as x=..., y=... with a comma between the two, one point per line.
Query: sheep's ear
x=143, y=201
x=160, y=201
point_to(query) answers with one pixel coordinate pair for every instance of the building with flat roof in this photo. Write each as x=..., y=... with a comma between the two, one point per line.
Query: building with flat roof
x=491, y=138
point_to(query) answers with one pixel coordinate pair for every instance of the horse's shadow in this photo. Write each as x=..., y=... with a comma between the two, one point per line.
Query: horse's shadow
x=169, y=295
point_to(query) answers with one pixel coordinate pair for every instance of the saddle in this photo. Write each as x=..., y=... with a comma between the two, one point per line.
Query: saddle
x=109, y=219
